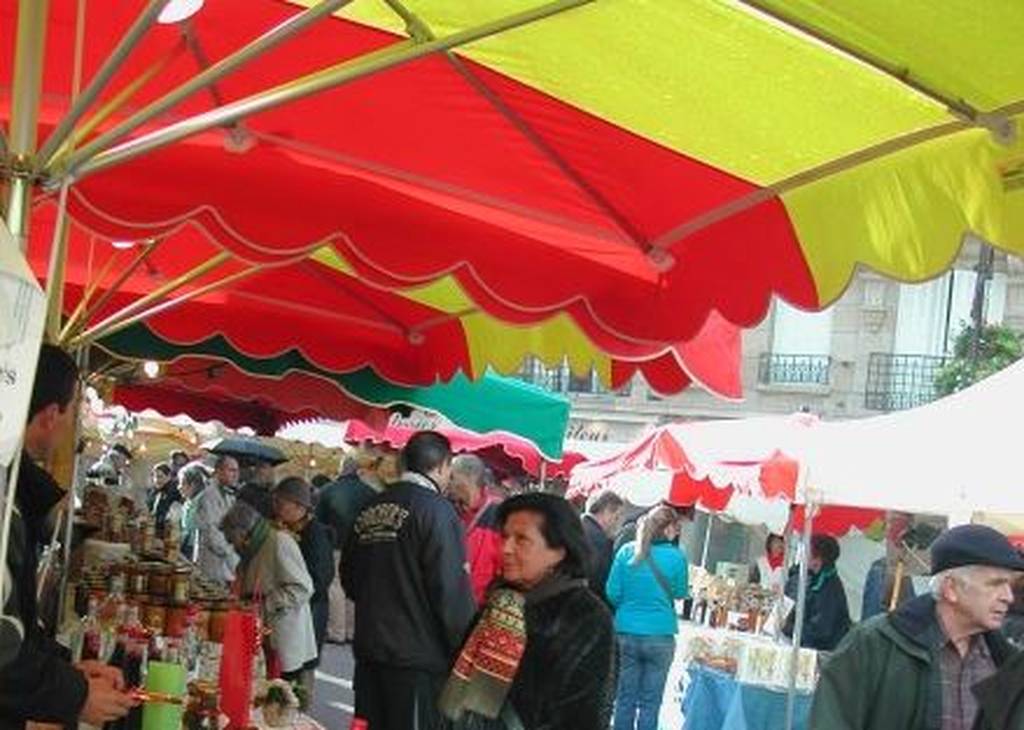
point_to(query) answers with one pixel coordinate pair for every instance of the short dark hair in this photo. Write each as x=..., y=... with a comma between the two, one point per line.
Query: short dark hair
x=320, y=480
x=163, y=467
x=179, y=454
x=222, y=459
x=560, y=527
x=56, y=380
x=825, y=547
x=604, y=501
x=426, y=451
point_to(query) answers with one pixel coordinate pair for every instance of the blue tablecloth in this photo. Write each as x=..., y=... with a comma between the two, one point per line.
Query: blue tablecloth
x=716, y=701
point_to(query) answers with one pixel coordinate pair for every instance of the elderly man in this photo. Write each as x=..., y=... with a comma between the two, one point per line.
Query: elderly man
x=471, y=492
x=216, y=557
x=916, y=668
x=600, y=523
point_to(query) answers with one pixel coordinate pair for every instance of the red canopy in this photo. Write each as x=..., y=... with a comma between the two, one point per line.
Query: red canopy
x=504, y=446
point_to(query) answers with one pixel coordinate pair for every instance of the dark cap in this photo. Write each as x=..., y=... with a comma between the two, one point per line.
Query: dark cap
x=123, y=450
x=295, y=489
x=974, y=545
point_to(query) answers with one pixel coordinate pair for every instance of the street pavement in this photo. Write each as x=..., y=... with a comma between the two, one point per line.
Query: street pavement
x=333, y=699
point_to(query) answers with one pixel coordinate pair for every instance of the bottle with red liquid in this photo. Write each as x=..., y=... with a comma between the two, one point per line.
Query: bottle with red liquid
x=89, y=643
x=130, y=655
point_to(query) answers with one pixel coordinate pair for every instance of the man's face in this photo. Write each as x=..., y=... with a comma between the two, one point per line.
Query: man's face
x=227, y=472
x=55, y=423
x=610, y=520
x=462, y=491
x=984, y=596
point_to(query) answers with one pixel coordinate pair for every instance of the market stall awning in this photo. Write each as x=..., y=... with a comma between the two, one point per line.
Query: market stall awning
x=318, y=306
x=293, y=390
x=563, y=157
x=500, y=446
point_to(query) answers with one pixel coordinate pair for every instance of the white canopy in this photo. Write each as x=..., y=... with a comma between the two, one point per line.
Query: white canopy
x=955, y=456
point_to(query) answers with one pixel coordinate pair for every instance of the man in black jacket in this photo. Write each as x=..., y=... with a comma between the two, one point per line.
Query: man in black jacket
x=600, y=522
x=36, y=680
x=405, y=568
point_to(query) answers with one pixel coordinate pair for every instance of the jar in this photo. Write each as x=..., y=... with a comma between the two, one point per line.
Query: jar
x=218, y=620
x=155, y=615
x=177, y=619
x=171, y=547
x=202, y=621
x=139, y=581
x=180, y=585
x=160, y=581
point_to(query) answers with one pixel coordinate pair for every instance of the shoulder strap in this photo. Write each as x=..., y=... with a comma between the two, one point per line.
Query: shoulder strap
x=662, y=580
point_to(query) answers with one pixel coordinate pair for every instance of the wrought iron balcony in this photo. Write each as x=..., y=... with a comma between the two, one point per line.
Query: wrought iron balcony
x=561, y=379
x=897, y=382
x=776, y=369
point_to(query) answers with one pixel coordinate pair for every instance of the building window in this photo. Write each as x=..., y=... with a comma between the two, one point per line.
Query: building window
x=775, y=369
x=560, y=379
x=896, y=382
x=801, y=348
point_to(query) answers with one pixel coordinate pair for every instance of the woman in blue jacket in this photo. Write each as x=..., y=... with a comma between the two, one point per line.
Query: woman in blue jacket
x=647, y=577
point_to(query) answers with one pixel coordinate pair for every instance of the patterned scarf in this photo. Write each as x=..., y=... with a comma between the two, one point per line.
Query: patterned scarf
x=489, y=659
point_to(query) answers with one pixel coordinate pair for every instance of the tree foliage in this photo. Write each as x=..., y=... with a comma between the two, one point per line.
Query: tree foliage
x=997, y=347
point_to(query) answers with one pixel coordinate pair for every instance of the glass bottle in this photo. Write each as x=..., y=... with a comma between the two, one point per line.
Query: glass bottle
x=89, y=637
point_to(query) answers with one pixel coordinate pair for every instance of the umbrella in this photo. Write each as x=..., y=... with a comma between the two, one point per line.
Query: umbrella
x=583, y=163
x=246, y=448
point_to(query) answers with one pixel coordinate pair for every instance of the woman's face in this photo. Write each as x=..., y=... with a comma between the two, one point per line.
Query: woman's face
x=776, y=548
x=288, y=511
x=526, y=557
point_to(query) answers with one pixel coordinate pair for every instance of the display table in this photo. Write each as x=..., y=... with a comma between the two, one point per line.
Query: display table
x=715, y=700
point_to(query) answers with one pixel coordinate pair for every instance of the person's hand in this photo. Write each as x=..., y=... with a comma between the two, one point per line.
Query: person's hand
x=93, y=669
x=104, y=703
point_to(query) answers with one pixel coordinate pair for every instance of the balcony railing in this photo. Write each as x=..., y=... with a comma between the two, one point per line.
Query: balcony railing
x=561, y=379
x=898, y=382
x=776, y=369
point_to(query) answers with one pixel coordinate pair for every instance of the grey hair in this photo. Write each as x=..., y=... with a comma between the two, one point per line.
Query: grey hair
x=195, y=473
x=961, y=575
x=241, y=519
x=604, y=500
x=472, y=467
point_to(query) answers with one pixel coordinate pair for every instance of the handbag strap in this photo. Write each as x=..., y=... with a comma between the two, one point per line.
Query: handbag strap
x=662, y=580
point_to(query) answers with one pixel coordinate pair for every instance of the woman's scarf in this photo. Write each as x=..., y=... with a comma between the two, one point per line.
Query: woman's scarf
x=260, y=532
x=489, y=660
x=775, y=561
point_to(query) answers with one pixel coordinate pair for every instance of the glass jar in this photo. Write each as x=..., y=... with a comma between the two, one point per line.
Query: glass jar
x=202, y=621
x=218, y=620
x=160, y=581
x=177, y=619
x=180, y=585
x=155, y=615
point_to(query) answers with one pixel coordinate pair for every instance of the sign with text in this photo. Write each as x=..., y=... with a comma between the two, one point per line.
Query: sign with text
x=22, y=317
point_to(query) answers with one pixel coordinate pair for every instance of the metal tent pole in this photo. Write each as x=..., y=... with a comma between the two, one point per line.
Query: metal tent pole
x=316, y=82
x=798, y=626
x=707, y=541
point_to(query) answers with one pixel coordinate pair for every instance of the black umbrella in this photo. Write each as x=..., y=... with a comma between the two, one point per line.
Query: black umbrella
x=246, y=448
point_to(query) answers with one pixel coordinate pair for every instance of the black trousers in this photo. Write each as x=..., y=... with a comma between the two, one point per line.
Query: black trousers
x=392, y=698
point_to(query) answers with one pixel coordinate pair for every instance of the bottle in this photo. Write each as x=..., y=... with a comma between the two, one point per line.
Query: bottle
x=89, y=636
x=700, y=609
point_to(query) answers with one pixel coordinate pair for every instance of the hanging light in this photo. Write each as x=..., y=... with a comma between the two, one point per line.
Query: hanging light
x=151, y=368
x=122, y=245
x=176, y=11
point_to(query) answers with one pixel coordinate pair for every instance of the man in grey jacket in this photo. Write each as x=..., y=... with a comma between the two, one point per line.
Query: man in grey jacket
x=217, y=559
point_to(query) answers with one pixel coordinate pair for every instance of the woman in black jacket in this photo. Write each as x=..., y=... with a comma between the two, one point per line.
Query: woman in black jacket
x=293, y=505
x=542, y=652
x=827, y=616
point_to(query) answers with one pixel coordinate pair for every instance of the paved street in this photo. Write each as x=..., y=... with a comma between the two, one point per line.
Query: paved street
x=333, y=699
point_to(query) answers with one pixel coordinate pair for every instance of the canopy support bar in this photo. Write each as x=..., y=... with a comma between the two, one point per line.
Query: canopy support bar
x=955, y=105
x=72, y=323
x=314, y=83
x=99, y=82
x=173, y=303
x=82, y=315
x=291, y=27
x=814, y=174
x=157, y=294
x=25, y=95
x=58, y=265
